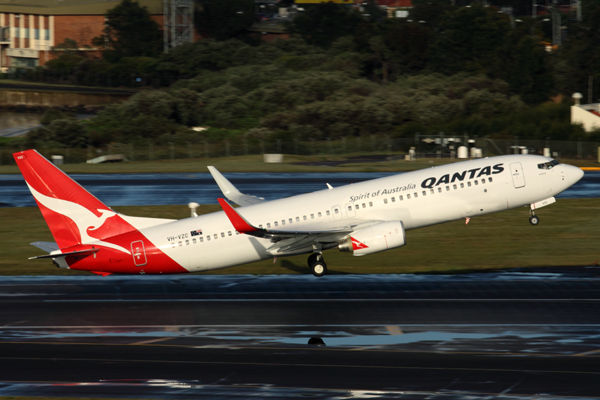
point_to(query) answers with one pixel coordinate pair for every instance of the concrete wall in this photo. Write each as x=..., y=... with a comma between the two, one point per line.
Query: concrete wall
x=579, y=115
x=54, y=99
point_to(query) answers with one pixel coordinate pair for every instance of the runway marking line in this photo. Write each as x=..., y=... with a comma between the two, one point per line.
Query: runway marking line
x=392, y=367
x=588, y=353
x=594, y=353
x=154, y=340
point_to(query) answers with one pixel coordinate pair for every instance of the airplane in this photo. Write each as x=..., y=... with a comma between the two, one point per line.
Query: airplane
x=362, y=218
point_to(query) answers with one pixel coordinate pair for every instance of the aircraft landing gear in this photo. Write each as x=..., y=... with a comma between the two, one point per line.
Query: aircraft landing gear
x=317, y=265
x=533, y=219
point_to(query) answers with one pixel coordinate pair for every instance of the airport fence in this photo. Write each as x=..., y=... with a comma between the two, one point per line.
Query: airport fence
x=94, y=79
x=377, y=147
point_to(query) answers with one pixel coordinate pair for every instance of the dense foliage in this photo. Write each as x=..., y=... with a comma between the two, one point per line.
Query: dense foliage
x=449, y=68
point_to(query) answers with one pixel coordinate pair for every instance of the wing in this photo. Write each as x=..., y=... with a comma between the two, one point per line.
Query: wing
x=290, y=241
x=231, y=191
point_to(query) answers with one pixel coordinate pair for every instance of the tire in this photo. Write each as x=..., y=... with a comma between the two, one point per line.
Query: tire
x=319, y=269
x=534, y=220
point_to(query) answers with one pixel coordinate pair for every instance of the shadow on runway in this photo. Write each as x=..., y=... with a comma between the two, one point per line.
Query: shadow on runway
x=303, y=269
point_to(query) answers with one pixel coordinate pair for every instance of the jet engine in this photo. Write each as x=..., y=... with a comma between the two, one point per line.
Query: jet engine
x=375, y=238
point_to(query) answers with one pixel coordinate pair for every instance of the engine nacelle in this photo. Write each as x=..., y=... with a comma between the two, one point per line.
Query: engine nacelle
x=375, y=238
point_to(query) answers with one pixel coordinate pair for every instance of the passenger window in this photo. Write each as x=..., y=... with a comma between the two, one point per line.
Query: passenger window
x=222, y=234
x=268, y=224
x=370, y=204
x=320, y=215
x=328, y=213
x=408, y=196
x=312, y=216
x=462, y=185
x=357, y=206
x=364, y=205
x=180, y=244
x=483, y=180
x=416, y=195
x=194, y=240
x=275, y=223
x=260, y=226
x=336, y=211
x=187, y=242
x=216, y=236
x=201, y=239
x=208, y=238
x=432, y=191
x=424, y=193
x=399, y=198
x=290, y=220
x=439, y=190
x=469, y=184
x=349, y=208
x=304, y=216
x=447, y=188
x=384, y=201
x=283, y=222
x=229, y=233
x=297, y=219
x=490, y=179
x=454, y=186
x=476, y=183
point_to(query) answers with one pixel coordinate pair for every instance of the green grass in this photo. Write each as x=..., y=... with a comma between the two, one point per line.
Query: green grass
x=254, y=163
x=568, y=235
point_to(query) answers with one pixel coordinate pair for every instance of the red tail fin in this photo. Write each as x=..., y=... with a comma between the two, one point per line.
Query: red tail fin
x=73, y=215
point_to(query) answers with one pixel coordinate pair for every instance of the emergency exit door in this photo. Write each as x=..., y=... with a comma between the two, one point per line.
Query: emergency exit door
x=516, y=171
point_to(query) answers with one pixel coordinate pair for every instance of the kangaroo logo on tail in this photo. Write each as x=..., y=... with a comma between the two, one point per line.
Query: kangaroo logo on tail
x=85, y=220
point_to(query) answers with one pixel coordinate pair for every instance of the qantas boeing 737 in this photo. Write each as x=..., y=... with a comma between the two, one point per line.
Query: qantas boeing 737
x=362, y=218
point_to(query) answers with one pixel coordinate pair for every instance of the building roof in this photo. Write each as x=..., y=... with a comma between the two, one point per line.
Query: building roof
x=395, y=3
x=71, y=7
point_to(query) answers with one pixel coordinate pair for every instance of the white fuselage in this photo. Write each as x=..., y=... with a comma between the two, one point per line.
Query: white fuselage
x=418, y=199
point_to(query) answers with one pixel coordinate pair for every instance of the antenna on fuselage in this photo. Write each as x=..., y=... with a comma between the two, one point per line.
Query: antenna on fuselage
x=193, y=206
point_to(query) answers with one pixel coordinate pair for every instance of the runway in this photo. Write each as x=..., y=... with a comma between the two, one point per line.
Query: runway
x=522, y=334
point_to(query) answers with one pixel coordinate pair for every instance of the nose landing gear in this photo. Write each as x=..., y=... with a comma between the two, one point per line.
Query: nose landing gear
x=533, y=219
x=317, y=265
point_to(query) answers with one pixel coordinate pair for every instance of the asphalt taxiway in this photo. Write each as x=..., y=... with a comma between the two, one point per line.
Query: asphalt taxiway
x=517, y=334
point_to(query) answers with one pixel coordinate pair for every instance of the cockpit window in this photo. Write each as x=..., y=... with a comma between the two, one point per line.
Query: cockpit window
x=548, y=165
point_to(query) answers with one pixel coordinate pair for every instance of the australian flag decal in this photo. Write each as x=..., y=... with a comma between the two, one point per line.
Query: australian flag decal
x=196, y=232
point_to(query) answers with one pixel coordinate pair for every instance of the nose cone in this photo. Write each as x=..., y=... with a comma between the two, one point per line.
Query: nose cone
x=574, y=174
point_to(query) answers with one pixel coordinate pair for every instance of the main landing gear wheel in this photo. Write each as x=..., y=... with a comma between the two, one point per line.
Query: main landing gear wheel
x=317, y=265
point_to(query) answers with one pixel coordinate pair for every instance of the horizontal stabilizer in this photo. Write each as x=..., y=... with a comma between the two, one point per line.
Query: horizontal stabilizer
x=231, y=192
x=70, y=253
x=46, y=246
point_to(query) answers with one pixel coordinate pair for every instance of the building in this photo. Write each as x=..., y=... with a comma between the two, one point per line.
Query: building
x=30, y=28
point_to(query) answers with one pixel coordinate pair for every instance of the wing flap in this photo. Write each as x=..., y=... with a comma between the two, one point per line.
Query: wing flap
x=285, y=241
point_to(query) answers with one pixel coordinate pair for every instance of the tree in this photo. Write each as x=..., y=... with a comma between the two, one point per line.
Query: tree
x=224, y=19
x=467, y=40
x=581, y=53
x=324, y=23
x=130, y=32
x=526, y=68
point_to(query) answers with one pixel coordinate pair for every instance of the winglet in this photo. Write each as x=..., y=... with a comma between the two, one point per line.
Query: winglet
x=231, y=192
x=238, y=222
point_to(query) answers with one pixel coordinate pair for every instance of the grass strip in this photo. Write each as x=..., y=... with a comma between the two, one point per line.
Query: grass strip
x=568, y=235
x=255, y=163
